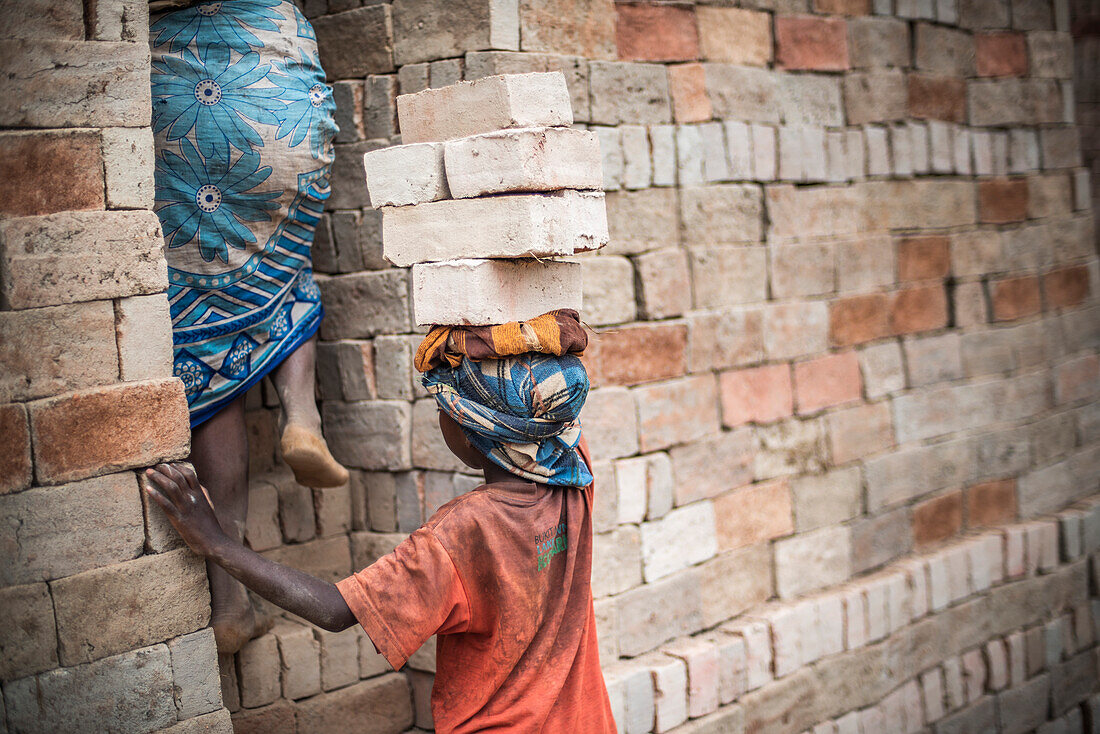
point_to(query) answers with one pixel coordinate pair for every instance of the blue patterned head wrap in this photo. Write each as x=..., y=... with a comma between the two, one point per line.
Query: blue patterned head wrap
x=521, y=412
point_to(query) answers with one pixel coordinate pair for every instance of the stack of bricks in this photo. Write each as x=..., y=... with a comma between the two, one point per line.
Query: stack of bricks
x=489, y=187
x=105, y=613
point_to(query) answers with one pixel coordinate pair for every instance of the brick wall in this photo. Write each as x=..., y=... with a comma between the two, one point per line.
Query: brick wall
x=106, y=615
x=846, y=371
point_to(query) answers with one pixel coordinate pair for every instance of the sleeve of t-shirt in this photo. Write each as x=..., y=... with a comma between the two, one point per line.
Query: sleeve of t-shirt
x=407, y=596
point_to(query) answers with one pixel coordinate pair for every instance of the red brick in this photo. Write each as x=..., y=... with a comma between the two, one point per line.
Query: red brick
x=991, y=503
x=937, y=97
x=755, y=395
x=616, y=357
x=751, y=514
x=15, y=448
x=1002, y=200
x=858, y=319
x=1066, y=287
x=937, y=519
x=43, y=173
x=103, y=430
x=826, y=381
x=921, y=308
x=687, y=86
x=1001, y=54
x=652, y=32
x=843, y=7
x=810, y=42
x=1015, y=298
x=1077, y=379
x=923, y=258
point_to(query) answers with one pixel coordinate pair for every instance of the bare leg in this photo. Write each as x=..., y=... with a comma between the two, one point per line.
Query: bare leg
x=304, y=448
x=219, y=452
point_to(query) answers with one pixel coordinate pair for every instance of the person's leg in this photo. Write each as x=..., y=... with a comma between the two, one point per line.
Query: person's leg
x=219, y=453
x=303, y=447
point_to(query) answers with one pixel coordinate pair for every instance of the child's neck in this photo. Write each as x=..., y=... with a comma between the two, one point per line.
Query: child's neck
x=494, y=473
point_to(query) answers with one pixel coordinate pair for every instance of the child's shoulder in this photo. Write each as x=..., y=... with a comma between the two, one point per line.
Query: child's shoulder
x=482, y=503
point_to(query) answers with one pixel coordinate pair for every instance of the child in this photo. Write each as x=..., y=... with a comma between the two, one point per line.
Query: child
x=502, y=574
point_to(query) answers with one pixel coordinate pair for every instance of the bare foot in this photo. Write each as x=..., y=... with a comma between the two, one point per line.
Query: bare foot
x=233, y=629
x=307, y=454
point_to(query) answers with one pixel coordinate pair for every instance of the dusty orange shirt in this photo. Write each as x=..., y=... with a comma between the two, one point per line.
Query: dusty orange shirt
x=503, y=575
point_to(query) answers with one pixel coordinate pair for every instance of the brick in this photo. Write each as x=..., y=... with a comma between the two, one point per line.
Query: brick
x=708, y=468
x=812, y=561
x=751, y=514
x=719, y=215
x=1003, y=200
x=656, y=32
x=258, y=671
x=933, y=359
x=990, y=504
x=44, y=20
x=734, y=581
x=1015, y=298
x=624, y=92
x=612, y=162
x=1050, y=54
x=620, y=554
x=858, y=319
x=762, y=140
x=15, y=449
x=791, y=447
x=943, y=50
x=362, y=305
x=937, y=519
x=169, y=589
x=1077, y=379
x=1072, y=681
x=677, y=411
x=922, y=258
x=143, y=332
x=484, y=105
x=637, y=222
x=607, y=290
x=357, y=42
x=810, y=99
x=755, y=395
x=136, y=424
x=921, y=308
x=544, y=159
x=801, y=269
x=937, y=97
x=130, y=692
x=660, y=279
x=495, y=291
x=612, y=356
x=859, y=431
x=507, y=226
x=826, y=499
x=631, y=686
x=682, y=538
x=743, y=92
x=197, y=686
x=585, y=28
x=728, y=275
x=877, y=41
x=734, y=35
x=882, y=369
x=610, y=422
x=381, y=704
x=827, y=381
x=49, y=533
x=1014, y=102
x=670, y=691
x=726, y=338
x=300, y=662
x=663, y=150
x=795, y=329
x=370, y=434
x=807, y=42
x=405, y=174
x=1066, y=287
x=90, y=357
x=864, y=263
x=29, y=642
x=875, y=96
x=68, y=172
x=75, y=84
x=575, y=69
x=637, y=166
x=655, y=613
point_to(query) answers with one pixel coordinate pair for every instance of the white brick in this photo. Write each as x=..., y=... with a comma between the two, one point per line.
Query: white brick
x=732, y=667
x=912, y=707
x=786, y=630
x=1015, y=551
x=715, y=163
x=790, y=154
x=538, y=159
x=830, y=624
x=939, y=589
x=947, y=11
x=405, y=174
x=954, y=690
x=681, y=538
x=611, y=157
x=942, y=146
x=931, y=683
x=128, y=167
x=958, y=572
x=521, y=225
x=855, y=155
x=849, y=723
x=901, y=154
x=701, y=659
x=1082, y=198
x=670, y=691
x=979, y=565
x=758, y=651
x=637, y=166
x=484, y=105
x=143, y=330
x=999, y=144
x=763, y=152
x=878, y=153
x=1070, y=525
x=994, y=557
x=608, y=290
x=813, y=148
x=1023, y=150
x=916, y=575
x=630, y=484
x=1017, y=658
x=809, y=642
x=484, y=292
x=897, y=602
x=918, y=147
x=855, y=619
x=962, y=150
x=997, y=663
x=663, y=142
x=876, y=592
x=1091, y=530
x=835, y=164
x=689, y=155
x=981, y=145
x=739, y=144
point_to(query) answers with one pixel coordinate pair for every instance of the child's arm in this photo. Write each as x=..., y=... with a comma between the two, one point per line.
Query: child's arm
x=176, y=489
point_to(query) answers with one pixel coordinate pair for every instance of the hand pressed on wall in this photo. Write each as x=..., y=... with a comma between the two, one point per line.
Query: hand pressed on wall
x=176, y=488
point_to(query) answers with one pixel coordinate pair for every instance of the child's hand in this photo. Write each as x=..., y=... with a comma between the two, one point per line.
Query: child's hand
x=176, y=489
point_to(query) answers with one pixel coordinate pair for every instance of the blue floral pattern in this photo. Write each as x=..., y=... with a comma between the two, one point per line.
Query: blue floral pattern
x=230, y=21
x=309, y=105
x=243, y=124
x=211, y=201
x=215, y=98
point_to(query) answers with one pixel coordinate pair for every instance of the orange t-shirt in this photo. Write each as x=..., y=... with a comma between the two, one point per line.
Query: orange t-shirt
x=503, y=575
